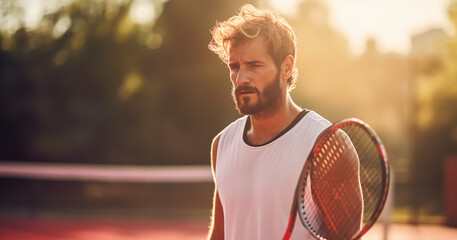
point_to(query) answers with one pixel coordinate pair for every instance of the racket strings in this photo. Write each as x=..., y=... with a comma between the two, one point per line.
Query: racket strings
x=370, y=170
x=313, y=218
x=331, y=187
x=330, y=202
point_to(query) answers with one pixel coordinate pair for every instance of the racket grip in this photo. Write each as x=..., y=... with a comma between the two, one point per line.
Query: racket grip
x=290, y=227
x=287, y=235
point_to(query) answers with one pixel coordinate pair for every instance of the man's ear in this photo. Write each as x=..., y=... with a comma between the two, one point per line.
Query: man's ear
x=287, y=67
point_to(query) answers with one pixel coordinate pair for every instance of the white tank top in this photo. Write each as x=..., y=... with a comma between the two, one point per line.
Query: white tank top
x=256, y=184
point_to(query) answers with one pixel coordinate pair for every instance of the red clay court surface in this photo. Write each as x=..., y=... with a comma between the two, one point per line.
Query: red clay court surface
x=98, y=229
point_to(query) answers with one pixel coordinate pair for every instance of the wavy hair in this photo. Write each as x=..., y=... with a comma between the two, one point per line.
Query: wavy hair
x=249, y=23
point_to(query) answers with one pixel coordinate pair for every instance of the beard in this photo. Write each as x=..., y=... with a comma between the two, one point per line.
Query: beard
x=268, y=101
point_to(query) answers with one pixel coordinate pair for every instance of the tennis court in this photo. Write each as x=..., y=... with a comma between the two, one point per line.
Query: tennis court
x=56, y=201
x=53, y=228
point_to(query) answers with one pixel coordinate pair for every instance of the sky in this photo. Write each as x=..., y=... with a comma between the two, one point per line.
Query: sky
x=390, y=22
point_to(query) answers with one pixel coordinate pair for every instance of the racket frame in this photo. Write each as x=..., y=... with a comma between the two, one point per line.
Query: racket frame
x=307, y=168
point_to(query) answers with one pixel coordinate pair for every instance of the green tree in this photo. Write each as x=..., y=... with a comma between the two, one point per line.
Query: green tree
x=437, y=96
x=436, y=119
x=89, y=84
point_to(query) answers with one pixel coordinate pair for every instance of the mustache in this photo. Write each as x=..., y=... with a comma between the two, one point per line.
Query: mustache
x=245, y=88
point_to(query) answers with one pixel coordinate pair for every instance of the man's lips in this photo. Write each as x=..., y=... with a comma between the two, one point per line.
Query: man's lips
x=246, y=92
x=243, y=90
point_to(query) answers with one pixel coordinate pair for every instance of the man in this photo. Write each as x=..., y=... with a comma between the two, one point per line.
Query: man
x=258, y=158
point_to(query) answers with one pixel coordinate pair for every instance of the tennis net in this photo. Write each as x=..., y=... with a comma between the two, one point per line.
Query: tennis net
x=149, y=191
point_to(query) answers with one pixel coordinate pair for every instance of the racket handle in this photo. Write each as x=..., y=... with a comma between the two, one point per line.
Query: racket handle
x=290, y=226
x=287, y=235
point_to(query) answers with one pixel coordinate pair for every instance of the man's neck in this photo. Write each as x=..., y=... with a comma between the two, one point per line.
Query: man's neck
x=264, y=129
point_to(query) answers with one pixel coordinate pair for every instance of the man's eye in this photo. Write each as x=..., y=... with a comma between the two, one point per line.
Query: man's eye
x=233, y=66
x=255, y=65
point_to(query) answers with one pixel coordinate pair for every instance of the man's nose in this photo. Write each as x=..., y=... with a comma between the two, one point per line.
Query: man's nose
x=242, y=77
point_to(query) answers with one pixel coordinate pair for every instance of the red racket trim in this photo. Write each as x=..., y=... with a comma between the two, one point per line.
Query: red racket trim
x=292, y=218
x=290, y=227
x=294, y=208
x=386, y=170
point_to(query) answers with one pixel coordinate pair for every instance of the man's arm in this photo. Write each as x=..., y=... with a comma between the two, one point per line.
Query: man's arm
x=216, y=229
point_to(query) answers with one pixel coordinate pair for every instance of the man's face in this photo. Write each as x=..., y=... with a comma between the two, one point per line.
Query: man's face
x=255, y=78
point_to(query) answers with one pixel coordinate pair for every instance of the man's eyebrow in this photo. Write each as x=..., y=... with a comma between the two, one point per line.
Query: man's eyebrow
x=254, y=62
x=250, y=62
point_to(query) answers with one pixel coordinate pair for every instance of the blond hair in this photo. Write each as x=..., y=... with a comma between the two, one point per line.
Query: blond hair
x=250, y=23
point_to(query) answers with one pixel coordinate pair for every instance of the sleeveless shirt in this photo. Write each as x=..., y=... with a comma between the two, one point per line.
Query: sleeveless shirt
x=256, y=184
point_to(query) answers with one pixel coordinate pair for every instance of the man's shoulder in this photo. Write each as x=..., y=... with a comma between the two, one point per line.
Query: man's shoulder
x=237, y=123
x=233, y=128
x=318, y=120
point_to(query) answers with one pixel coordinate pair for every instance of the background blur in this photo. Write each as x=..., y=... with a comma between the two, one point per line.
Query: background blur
x=131, y=82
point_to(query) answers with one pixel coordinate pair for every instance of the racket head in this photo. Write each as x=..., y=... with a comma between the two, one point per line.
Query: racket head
x=321, y=206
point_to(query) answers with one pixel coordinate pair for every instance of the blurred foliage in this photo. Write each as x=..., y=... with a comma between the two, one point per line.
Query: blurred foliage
x=93, y=81
x=436, y=111
x=437, y=89
x=339, y=85
x=100, y=82
x=88, y=84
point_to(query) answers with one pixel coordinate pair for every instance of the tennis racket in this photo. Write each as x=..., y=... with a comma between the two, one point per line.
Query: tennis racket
x=344, y=183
